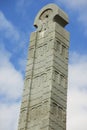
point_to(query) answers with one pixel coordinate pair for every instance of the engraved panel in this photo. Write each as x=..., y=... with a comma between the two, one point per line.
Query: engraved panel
x=35, y=113
x=57, y=46
x=38, y=112
x=44, y=78
x=36, y=82
x=60, y=113
x=49, y=74
x=45, y=49
x=64, y=117
x=44, y=123
x=35, y=127
x=41, y=51
x=57, y=112
x=50, y=45
x=55, y=109
x=39, y=80
x=38, y=52
x=45, y=109
x=66, y=53
x=63, y=51
x=56, y=76
x=62, y=81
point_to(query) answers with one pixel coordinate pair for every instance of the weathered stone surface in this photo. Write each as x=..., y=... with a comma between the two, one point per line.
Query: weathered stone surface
x=44, y=98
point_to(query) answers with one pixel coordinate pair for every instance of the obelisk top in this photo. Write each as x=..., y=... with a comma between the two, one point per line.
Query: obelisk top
x=51, y=12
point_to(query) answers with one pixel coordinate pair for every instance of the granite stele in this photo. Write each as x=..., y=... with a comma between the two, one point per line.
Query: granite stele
x=44, y=97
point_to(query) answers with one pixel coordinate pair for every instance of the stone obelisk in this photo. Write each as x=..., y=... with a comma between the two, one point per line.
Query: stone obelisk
x=44, y=98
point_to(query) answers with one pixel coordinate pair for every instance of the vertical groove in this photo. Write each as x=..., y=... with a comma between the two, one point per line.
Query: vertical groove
x=27, y=113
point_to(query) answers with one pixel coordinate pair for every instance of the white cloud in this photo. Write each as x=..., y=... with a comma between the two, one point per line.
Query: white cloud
x=11, y=81
x=11, y=84
x=77, y=93
x=7, y=28
x=77, y=110
x=74, y=4
x=17, y=38
x=78, y=72
x=9, y=116
x=14, y=39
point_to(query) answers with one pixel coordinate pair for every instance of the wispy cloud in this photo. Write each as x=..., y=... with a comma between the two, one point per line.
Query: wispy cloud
x=9, y=116
x=16, y=40
x=11, y=85
x=77, y=93
x=74, y=4
x=8, y=30
x=11, y=81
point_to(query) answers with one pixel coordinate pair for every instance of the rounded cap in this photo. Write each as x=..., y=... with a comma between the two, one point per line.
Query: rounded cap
x=51, y=12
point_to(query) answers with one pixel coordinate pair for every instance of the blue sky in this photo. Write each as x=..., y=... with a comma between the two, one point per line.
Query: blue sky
x=16, y=24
